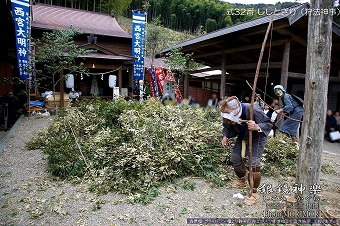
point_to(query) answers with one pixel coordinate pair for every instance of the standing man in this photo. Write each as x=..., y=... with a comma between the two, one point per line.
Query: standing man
x=140, y=91
x=10, y=104
x=232, y=112
x=291, y=107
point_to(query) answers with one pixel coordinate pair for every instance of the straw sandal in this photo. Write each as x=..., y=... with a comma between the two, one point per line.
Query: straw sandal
x=249, y=201
x=239, y=183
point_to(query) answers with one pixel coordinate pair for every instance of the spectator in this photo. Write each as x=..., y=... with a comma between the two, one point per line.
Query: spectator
x=291, y=125
x=213, y=101
x=246, y=99
x=258, y=101
x=191, y=100
x=267, y=111
x=331, y=124
x=232, y=111
x=337, y=117
x=166, y=99
x=140, y=91
x=10, y=105
x=273, y=118
x=73, y=96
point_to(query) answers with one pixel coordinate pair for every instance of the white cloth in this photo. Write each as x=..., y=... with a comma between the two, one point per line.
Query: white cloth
x=73, y=95
x=274, y=115
x=236, y=110
x=94, y=86
x=210, y=103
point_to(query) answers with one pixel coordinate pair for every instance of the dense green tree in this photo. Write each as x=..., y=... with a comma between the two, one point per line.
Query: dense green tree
x=155, y=40
x=210, y=25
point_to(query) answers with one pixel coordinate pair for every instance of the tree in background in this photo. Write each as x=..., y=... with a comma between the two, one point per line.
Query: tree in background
x=56, y=53
x=182, y=63
x=210, y=25
x=155, y=40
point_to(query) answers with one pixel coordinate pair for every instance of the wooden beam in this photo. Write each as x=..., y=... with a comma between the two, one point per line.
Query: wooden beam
x=252, y=31
x=303, y=76
x=294, y=36
x=241, y=67
x=242, y=48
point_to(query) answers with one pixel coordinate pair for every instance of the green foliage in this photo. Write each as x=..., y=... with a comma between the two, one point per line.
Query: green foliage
x=134, y=147
x=116, y=7
x=210, y=25
x=328, y=168
x=280, y=156
x=156, y=39
x=176, y=60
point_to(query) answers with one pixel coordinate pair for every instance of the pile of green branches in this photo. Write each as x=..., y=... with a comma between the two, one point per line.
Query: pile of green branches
x=133, y=147
x=129, y=147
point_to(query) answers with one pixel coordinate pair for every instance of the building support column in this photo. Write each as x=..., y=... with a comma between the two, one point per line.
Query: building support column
x=223, y=76
x=61, y=89
x=285, y=64
x=185, y=85
x=120, y=80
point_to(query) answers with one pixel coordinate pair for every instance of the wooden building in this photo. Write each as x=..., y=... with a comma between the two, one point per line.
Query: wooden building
x=7, y=48
x=235, y=52
x=100, y=32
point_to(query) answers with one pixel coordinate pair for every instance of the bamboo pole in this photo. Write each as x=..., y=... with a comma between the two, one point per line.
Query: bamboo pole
x=251, y=110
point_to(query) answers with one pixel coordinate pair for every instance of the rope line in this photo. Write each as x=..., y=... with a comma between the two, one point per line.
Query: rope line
x=281, y=114
x=100, y=73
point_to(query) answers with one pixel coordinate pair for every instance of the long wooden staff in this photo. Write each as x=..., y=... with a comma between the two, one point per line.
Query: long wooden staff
x=251, y=110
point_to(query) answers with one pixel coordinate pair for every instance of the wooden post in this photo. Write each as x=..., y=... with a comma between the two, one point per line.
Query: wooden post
x=285, y=64
x=186, y=84
x=61, y=89
x=251, y=109
x=223, y=75
x=315, y=104
x=120, y=80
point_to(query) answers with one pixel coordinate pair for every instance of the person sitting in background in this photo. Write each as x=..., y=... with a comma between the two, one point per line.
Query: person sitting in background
x=273, y=118
x=331, y=124
x=337, y=117
x=259, y=101
x=213, y=101
x=267, y=111
x=246, y=99
x=166, y=99
x=191, y=100
x=10, y=104
x=73, y=96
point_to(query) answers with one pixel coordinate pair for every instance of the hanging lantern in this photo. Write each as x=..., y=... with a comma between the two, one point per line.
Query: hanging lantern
x=69, y=81
x=112, y=81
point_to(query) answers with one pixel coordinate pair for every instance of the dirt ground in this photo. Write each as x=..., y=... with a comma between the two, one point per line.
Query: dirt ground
x=31, y=196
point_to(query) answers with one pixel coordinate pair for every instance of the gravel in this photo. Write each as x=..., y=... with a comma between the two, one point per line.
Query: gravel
x=29, y=195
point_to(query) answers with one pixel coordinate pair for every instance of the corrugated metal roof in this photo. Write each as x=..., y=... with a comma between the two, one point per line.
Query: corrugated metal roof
x=292, y=14
x=57, y=18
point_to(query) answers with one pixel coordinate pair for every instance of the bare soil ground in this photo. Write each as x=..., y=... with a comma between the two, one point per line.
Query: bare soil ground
x=31, y=196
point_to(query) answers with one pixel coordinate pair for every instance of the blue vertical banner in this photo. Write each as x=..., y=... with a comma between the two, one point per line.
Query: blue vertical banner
x=138, y=45
x=21, y=15
x=153, y=83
